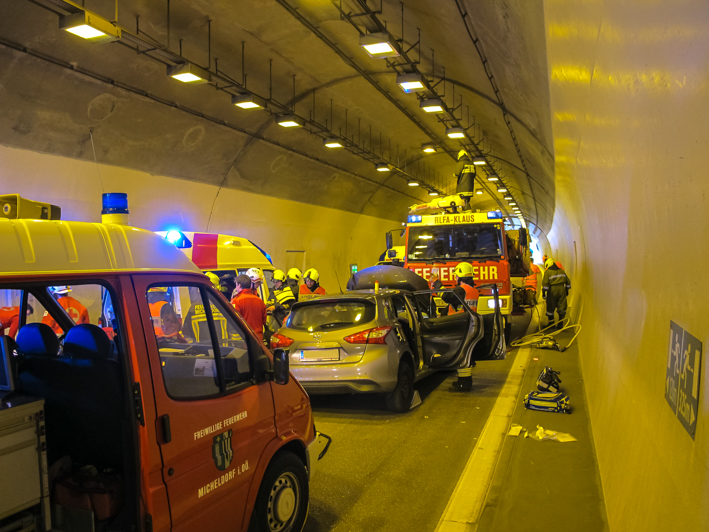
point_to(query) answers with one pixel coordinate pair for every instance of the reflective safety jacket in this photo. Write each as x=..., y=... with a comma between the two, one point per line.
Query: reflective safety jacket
x=306, y=293
x=531, y=280
x=252, y=309
x=9, y=319
x=282, y=303
x=554, y=276
x=471, y=299
x=293, y=284
x=76, y=311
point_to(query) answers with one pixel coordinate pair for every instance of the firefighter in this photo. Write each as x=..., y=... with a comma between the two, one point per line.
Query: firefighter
x=311, y=287
x=294, y=276
x=530, y=282
x=249, y=305
x=166, y=324
x=77, y=312
x=558, y=264
x=465, y=173
x=465, y=288
x=555, y=288
x=282, y=298
x=10, y=319
x=227, y=285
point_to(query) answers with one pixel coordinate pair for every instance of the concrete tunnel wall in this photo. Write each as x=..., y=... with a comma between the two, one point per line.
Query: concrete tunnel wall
x=333, y=239
x=628, y=85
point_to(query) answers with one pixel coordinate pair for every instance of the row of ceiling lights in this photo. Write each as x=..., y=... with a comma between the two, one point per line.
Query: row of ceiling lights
x=379, y=45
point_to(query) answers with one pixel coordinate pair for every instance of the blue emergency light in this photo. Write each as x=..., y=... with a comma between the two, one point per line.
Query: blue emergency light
x=494, y=215
x=115, y=203
x=262, y=251
x=178, y=239
x=415, y=218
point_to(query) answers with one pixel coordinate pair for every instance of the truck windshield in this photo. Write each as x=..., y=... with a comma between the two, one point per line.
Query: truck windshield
x=455, y=242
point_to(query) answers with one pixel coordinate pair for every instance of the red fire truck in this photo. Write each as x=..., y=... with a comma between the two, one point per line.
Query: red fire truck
x=443, y=237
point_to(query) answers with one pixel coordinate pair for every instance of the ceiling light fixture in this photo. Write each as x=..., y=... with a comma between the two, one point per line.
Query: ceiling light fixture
x=248, y=101
x=332, y=142
x=289, y=121
x=378, y=45
x=413, y=183
x=383, y=167
x=511, y=203
x=492, y=177
x=434, y=105
x=429, y=147
x=479, y=192
x=479, y=160
x=508, y=197
x=432, y=193
x=410, y=82
x=90, y=27
x=455, y=132
x=501, y=189
x=189, y=73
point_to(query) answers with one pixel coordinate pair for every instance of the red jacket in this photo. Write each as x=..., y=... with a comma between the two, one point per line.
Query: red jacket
x=252, y=308
x=76, y=311
x=9, y=318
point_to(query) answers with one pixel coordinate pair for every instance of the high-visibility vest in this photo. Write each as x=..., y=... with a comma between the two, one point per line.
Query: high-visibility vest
x=531, y=280
x=471, y=299
x=155, y=309
x=306, y=293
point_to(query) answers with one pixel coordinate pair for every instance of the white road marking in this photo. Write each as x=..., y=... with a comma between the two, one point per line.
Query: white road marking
x=466, y=504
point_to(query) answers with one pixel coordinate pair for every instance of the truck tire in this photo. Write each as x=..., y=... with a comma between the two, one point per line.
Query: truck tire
x=283, y=498
x=399, y=400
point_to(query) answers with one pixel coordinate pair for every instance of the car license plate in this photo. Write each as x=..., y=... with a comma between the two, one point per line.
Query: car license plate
x=320, y=354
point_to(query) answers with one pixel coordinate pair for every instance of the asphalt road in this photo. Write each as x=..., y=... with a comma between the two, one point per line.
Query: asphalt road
x=396, y=472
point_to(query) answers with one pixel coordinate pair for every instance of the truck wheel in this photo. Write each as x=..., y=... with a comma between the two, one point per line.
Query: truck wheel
x=399, y=400
x=282, y=501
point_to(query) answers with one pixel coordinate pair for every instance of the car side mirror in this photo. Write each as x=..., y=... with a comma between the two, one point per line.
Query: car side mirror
x=281, y=366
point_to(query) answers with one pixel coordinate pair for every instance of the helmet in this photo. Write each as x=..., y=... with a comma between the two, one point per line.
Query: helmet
x=295, y=273
x=544, y=258
x=60, y=290
x=214, y=278
x=278, y=275
x=255, y=274
x=464, y=269
x=312, y=274
x=549, y=263
x=462, y=153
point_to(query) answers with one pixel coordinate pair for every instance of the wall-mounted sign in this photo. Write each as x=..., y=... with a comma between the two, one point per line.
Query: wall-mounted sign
x=353, y=269
x=684, y=362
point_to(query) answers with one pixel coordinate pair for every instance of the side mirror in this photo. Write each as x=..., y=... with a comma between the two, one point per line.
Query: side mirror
x=390, y=241
x=281, y=366
x=523, y=237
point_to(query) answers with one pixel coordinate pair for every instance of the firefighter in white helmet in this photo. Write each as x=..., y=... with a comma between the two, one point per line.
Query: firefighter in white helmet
x=257, y=279
x=465, y=290
x=282, y=298
x=311, y=287
x=294, y=275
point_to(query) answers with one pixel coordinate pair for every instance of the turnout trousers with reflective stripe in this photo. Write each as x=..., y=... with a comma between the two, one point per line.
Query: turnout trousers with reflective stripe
x=556, y=301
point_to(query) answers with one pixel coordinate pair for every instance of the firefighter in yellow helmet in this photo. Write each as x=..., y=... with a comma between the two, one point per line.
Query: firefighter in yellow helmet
x=311, y=287
x=294, y=276
x=465, y=173
x=465, y=290
x=282, y=298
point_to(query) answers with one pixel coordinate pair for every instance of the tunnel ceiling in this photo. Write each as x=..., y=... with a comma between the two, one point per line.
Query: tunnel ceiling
x=61, y=94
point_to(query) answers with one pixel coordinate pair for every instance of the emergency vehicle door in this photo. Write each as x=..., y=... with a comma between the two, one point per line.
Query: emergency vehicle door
x=447, y=340
x=213, y=418
x=492, y=345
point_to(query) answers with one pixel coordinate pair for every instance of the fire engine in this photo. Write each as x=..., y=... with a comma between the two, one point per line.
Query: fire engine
x=445, y=232
x=160, y=411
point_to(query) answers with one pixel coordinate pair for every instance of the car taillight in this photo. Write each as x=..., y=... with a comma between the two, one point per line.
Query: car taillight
x=278, y=341
x=370, y=336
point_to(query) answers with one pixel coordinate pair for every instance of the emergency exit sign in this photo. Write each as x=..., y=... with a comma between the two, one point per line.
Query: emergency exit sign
x=684, y=362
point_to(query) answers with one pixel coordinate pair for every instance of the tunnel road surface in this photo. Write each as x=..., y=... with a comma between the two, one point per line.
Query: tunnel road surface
x=395, y=472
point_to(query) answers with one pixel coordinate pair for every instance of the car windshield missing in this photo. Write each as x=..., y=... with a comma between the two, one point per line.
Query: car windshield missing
x=331, y=315
x=455, y=242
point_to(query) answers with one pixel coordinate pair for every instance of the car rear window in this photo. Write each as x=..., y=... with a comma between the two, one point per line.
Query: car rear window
x=331, y=315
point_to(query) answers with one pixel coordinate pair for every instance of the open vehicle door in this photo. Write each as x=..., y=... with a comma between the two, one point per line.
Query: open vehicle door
x=492, y=346
x=447, y=341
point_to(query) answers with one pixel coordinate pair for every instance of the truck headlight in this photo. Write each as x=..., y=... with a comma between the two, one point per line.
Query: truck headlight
x=491, y=303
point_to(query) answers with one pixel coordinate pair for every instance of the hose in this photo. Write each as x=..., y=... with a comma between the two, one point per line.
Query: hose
x=541, y=335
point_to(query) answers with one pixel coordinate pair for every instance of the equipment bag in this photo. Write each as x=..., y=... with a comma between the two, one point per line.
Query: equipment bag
x=548, y=380
x=547, y=402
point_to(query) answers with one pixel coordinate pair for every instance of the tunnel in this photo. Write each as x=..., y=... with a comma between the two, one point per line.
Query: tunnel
x=586, y=119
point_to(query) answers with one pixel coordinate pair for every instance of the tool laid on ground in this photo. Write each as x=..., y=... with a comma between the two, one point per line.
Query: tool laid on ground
x=547, y=402
x=545, y=340
x=548, y=380
x=548, y=342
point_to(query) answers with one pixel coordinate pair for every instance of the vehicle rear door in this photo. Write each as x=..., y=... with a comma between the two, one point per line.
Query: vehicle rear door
x=213, y=418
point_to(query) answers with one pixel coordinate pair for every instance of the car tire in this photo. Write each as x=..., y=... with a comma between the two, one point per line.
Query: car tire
x=399, y=400
x=283, y=498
